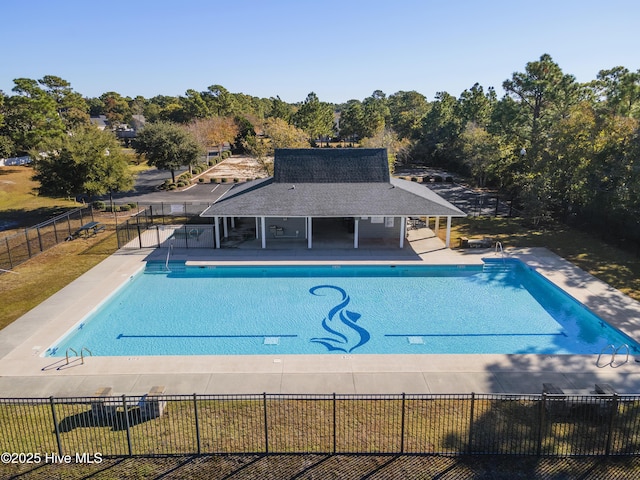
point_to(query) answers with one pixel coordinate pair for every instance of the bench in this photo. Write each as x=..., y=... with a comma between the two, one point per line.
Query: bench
x=152, y=405
x=104, y=406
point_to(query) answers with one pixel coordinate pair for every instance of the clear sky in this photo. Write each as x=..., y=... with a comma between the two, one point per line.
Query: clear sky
x=339, y=49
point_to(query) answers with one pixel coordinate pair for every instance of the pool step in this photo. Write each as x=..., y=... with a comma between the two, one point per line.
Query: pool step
x=497, y=267
x=160, y=267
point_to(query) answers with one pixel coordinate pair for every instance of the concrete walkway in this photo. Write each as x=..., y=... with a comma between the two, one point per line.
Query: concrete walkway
x=24, y=373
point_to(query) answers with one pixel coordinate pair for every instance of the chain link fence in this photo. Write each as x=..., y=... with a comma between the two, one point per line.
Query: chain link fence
x=540, y=425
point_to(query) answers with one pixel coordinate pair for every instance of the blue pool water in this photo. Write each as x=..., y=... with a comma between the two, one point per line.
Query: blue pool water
x=504, y=307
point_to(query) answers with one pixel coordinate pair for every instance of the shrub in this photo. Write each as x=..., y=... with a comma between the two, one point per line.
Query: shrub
x=426, y=179
x=437, y=178
x=236, y=180
x=449, y=179
x=201, y=180
x=414, y=179
x=172, y=187
x=224, y=180
x=133, y=205
x=213, y=180
x=125, y=208
x=99, y=205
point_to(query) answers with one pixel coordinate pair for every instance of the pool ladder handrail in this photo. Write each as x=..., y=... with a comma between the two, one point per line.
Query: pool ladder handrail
x=499, y=248
x=82, y=350
x=166, y=263
x=614, y=351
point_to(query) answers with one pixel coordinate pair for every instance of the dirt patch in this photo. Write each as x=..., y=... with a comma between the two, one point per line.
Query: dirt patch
x=240, y=167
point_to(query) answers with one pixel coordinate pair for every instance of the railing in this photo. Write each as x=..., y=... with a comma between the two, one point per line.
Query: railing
x=541, y=425
x=18, y=248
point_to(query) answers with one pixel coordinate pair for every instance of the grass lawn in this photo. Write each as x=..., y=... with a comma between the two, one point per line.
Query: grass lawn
x=612, y=265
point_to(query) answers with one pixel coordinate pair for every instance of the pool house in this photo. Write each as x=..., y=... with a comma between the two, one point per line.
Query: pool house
x=329, y=194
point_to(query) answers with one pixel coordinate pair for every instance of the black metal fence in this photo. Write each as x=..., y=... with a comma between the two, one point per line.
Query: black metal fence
x=145, y=228
x=18, y=248
x=541, y=425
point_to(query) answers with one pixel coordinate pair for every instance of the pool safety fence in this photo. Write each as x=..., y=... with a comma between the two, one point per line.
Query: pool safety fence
x=539, y=425
x=144, y=229
x=20, y=247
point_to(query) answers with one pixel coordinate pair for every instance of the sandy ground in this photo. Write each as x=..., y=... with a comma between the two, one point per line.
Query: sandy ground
x=239, y=166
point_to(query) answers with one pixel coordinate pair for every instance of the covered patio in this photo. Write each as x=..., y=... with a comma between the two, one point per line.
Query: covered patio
x=329, y=193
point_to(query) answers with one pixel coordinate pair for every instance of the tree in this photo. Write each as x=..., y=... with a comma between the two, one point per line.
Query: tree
x=481, y=152
x=88, y=161
x=352, y=121
x=219, y=101
x=116, y=108
x=214, y=132
x=71, y=106
x=376, y=113
x=280, y=109
x=167, y=146
x=406, y=111
x=544, y=94
x=314, y=117
x=30, y=116
x=284, y=135
x=193, y=106
x=621, y=90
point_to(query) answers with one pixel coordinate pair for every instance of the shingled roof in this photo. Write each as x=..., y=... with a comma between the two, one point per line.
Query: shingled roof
x=331, y=183
x=331, y=165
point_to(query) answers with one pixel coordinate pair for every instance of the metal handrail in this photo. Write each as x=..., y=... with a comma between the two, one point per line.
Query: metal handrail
x=67, y=353
x=615, y=352
x=85, y=349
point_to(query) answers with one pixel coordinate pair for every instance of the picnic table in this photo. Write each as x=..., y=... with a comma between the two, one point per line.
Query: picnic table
x=89, y=228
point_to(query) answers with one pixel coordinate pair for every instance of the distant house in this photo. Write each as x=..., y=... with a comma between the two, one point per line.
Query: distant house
x=324, y=191
x=100, y=121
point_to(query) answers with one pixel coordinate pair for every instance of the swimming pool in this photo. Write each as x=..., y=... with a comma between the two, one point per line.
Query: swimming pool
x=501, y=307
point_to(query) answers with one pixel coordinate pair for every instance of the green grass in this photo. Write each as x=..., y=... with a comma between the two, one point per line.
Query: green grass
x=612, y=265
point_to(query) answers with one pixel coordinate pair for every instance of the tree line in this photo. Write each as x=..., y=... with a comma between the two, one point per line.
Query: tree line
x=557, y=148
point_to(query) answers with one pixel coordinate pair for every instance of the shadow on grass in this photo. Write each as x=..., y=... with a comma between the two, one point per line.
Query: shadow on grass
x=347, y=467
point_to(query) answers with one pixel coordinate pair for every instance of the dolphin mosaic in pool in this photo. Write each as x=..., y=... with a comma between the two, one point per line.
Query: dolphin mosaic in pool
x=342, y=339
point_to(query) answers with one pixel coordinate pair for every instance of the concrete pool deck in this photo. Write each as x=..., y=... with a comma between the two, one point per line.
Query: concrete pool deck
x=24, y=373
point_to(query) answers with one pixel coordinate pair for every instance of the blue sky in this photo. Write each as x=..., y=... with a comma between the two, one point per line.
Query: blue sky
x=338, y=49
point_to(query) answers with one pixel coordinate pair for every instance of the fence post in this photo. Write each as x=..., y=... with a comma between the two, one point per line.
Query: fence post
x=197, y=420
x=6, y=241
x=55, y=231
x=26, y=235
x=402, y=425
x=126, y=423
x=471, y=414
x=334, y=422
x=614, y=412
x=543, y=409
x=39, y=239
x=55, y=425
x=266, y=426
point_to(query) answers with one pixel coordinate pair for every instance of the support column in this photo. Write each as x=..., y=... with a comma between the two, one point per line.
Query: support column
x=225, y=229
x=257, y=228
x=309, y=232
x=355, y=232
x=447, y=241
x=403, y=230
x=233, y=222
x=426, y=221
x=262, y=232
x=437, y=228
x=216, y=227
